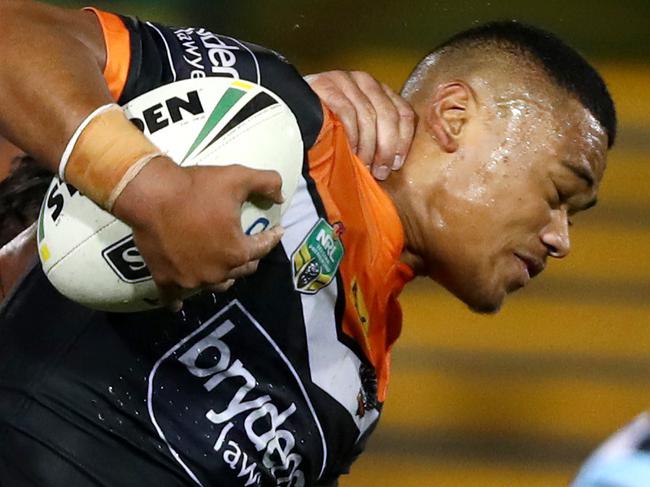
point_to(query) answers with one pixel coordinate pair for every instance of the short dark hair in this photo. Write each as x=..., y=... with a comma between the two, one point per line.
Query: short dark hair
x=21, y=194
x=563, y=64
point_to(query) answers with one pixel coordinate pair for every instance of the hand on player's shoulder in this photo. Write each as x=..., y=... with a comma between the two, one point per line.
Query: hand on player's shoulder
x=379, y=123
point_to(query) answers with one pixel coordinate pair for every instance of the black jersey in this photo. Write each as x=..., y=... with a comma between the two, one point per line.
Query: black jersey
x=276, y=382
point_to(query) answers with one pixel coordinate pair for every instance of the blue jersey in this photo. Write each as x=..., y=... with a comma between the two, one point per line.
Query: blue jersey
x=622, y=461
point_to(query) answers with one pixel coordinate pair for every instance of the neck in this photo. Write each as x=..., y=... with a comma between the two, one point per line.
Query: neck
x=415, y=190
x=397, y=188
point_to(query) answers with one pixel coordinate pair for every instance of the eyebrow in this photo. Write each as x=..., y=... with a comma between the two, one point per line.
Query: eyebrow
x=583, y=173
x=589, y=204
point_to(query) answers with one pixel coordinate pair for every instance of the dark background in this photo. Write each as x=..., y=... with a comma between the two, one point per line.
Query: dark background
x=310, y=33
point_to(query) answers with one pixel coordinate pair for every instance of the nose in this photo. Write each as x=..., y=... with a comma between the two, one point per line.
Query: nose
x=555, y=235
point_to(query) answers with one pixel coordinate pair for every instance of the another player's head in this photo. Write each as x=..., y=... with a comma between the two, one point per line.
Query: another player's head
x=21, y=194
x=513, y=131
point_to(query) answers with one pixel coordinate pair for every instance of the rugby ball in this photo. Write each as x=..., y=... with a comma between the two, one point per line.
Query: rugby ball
x=90, y=256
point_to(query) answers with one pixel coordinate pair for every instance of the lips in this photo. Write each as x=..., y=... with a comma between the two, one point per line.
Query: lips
x=533, y=265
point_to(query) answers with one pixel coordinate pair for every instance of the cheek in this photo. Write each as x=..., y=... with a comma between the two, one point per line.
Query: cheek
x=521, y=198
x=466, y=235
x=526, y=220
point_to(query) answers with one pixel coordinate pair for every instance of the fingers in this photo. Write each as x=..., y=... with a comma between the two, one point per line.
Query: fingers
x=259, y=245
x=262, y=243
x=261, y=182
x=342, y=94
x=170, y=296
x=196, y=240
x=386, y=124
x=244, y=270
x=328, y=88
x=366, y=121
x=379, y=124
x=406, y=126
x=221, y=287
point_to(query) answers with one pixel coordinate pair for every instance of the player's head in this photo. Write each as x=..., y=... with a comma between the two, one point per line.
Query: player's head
x=21, y=194
x=513, y=131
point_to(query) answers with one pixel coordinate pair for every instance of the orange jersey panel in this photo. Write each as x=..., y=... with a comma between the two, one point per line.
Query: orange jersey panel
x=372, y=273
x=118, y=51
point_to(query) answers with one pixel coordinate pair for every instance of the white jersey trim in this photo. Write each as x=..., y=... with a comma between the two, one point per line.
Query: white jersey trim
x=333, y=366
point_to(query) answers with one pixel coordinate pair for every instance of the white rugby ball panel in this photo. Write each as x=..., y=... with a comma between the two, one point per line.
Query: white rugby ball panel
x=67, y=220
x=120, y=281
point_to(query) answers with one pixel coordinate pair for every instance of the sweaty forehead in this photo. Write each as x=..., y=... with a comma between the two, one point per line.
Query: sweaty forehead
x=557, y=119
x=585, y=137
x=536, y=120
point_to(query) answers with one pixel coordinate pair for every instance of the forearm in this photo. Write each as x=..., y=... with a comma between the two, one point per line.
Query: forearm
x=50, y=75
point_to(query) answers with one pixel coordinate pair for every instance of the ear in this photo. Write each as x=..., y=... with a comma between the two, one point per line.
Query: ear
x=448, y=113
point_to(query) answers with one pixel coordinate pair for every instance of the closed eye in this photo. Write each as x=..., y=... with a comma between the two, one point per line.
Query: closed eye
x=581, y=172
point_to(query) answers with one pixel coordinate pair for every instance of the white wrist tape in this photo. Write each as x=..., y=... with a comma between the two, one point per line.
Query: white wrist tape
x=130, y=174
x=65, y=157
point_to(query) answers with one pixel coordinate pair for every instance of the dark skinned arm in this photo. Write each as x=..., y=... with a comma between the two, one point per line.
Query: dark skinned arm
x=51, y=79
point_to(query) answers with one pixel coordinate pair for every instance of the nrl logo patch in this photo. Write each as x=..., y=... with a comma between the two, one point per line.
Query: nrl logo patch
x=316, y=260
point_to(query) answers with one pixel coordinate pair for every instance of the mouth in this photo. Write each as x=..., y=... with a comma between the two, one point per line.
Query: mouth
x=533, y=266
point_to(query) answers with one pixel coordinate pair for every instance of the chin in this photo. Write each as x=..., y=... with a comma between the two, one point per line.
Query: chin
x=485, y=308
x=483, y=296
x=486, y=303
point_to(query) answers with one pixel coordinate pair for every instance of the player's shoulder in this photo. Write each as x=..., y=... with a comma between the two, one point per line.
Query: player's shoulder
x=158, y=54
x=623, y=460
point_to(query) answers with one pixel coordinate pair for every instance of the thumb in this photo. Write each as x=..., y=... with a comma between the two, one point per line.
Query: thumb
x=264, y=183
x=170, y=297
x=262, y=243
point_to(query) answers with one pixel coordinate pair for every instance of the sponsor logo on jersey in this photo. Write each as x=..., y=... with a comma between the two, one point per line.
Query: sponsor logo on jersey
x=316, y=260
x=227, y=398
x=209, y=54
x=125, y=260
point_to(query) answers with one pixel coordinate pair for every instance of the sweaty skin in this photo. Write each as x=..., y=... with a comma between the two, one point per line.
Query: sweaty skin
x=498, y=165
